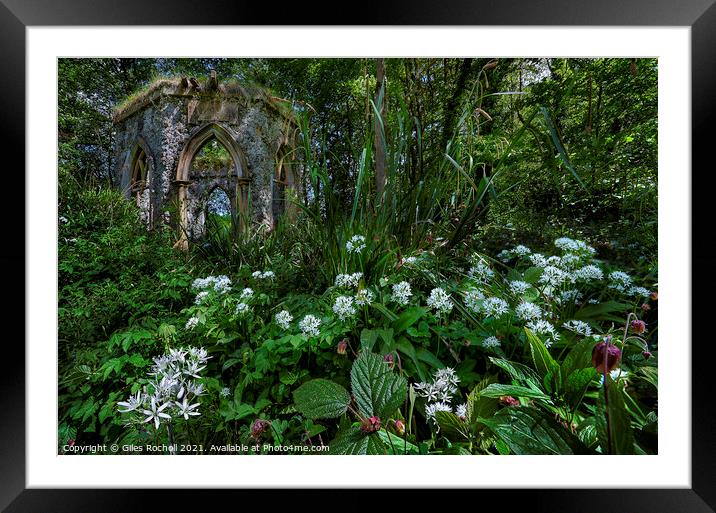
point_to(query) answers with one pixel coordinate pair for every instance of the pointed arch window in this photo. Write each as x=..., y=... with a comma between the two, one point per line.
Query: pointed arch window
x=140, y=169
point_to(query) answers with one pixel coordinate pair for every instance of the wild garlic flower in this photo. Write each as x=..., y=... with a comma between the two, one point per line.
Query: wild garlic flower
x=588, y=273
x=348, y=280
x=573, y=246
x=518, y=287
x=440, y=301
x=225, y=392
x=504, y=255
x=402, y=293
x=411, y=260
x=491, y=342
x=461, y=411
x=638, y=292
x=220, y=284
x=432, y=408
x=481, y=272
x=569, y=296
x=578, y=327
x=542, y=327
x=620, y=281
x=553, y=276
x=356, y=244
x=441, y=388
x=191, y=323
x=521, y=250
x=283, y=319
x=495, y=307
x=538, y=260
x=247, y=293
x=364, y=297
x=343, y=307
x=155, y=412
x=200, y=297
x=528, y=311
x=186, y=409
x=263, y=275
x=309, y=326
x=241, y=308
x=473, y=298
x=134, y=402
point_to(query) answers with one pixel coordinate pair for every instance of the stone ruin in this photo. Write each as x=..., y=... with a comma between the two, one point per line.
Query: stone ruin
x=161, y=137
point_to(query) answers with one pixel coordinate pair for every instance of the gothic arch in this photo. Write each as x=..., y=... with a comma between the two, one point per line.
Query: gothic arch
x=137, y=179
x=235, y=183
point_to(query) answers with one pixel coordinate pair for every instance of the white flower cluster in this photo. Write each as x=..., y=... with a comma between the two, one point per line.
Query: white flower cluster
x=573, y=246
x=172, y=388
x=528, y=311
x=538, y=260
x=553, y=276
x=518, y=251
x=521, y=250
x=309, y=326
x=588, y=273
x=440, y=301
x=620, y=281
x=283, y=319
x=491, y=342
x=519, y=287
x=173, y=135
x=343, y=307
x=438, y=393
x=356, y=244
x=411, y=260
x=241, y=308
x=200, y=297
x=481, y=272
x=569, y=296
x=473, y=298
x=247, y=293
x=266, y=275
x=364, y=297
x=348, y=280
x=578, y=327
x=638, y=292
x=225, y=392
x=221, y=284
x=495, y=307
x=402, y=293
x=191, y=323
x=542, y=327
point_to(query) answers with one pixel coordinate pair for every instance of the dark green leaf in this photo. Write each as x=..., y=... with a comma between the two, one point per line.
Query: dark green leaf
x=321, y=399
x=354, y=441
x=499, y=390
x=377, y=389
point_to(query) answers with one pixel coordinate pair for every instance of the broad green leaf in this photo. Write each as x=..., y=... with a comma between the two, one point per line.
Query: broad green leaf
x=368, y=339
x=409, y=317
x=577, y=384
x=518, y=371
x=616, y=436
x=544, y=363
x=321, y=399
x=429, y=358
x=479, y=406
x=533, y=274
x=354, y=441
x=407, y=349
x=377, y=389
x=499, y=390
x=529, y=431
x=396, y=445
x=452, y=426
x=602, y=312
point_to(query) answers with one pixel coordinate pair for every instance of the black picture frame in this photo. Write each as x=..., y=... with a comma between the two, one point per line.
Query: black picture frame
x=699, y=15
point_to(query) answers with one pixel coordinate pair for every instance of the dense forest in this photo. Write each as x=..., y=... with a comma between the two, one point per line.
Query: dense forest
x=467, y=265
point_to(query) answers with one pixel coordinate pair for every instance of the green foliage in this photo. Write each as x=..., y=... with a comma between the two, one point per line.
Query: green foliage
x=321, y=399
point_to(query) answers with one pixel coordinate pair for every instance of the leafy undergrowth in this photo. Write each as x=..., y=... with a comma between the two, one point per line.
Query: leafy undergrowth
x=523, y=353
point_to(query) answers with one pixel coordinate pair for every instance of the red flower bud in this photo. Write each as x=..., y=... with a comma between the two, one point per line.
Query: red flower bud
x=258, y=427
x=603, y=353
x=508, y=400
x=638, y=327
x=342, y=346
x=654, y=296
x=370, y=425
x=646, y=307
x=646, y=354
x=389, y=359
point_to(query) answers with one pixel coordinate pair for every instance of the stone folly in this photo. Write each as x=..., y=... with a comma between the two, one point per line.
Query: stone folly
x=183, y=148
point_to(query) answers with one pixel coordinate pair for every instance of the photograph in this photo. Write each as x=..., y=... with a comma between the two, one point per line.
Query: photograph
x=358, y=256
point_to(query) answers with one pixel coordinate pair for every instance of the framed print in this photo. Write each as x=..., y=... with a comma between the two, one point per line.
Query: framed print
x=412, y=248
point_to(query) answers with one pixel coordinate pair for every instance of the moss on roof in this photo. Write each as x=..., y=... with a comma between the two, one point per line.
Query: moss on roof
x=173, y=87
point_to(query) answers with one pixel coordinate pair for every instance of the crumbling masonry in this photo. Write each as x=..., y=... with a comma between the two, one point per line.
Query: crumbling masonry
x=161, y=130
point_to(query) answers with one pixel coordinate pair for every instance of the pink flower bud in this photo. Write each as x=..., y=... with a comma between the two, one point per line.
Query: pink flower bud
x=508, y=400
x=646, y=354
x=399, y=427
x=638, y=327
x=258, y=427
x=388, y=358
x=654, y=296
x=646, y=307
x=342, y=346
